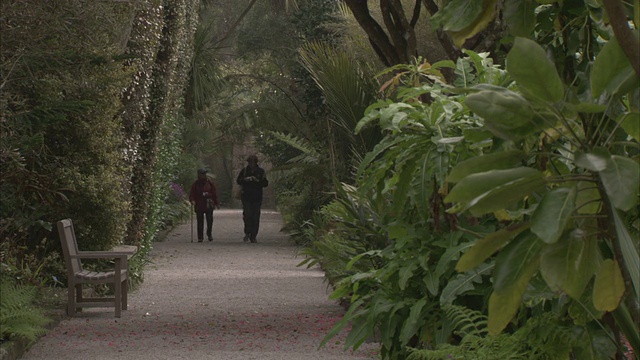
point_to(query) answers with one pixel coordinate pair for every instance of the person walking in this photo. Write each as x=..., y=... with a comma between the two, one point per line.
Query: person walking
x=253, y=179
x=204, y=198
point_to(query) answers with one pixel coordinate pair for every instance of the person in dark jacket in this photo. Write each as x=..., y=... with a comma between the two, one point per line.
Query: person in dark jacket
x=253, y=179
x=204, y=198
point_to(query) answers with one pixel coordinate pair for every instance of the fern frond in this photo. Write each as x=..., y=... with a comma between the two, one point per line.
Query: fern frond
x=467, y=321
x=445, y=352
x=18, y=316
x=546, y=337
x=296, y=143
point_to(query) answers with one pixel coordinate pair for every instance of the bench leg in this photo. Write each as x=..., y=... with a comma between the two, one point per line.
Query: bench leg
x=118, y=299
x=79, y=297
x=71, y=300
x=125, y=292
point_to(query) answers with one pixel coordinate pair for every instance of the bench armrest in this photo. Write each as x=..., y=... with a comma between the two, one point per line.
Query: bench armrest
x=101, y=255
x=129, y=249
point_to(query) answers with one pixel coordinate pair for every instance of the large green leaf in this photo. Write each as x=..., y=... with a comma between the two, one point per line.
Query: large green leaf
x=359, y=332
x=628, y=325
x=343, y=322
x=630, y=122
x=609, y=286
x=463, y=283
x=488, y=245
x=457, y=15
x=514, y=260
x=506, y=113
x=629, y=251
x=379, y=312
x=406, y=272
x=495, y=161
x=621, y=180
x=568, y=265
x=494, y=190
x=476, y=135
x=553, y=213
x=597, y=344
x=413, y=322
x=529, y=65
x=389, y=327
x=582, y=311
x=505, y=302
x=403, y=186
x=520, y=16
x=588, y=200
x=612, y=71
x=480, y=23
x=595, y=160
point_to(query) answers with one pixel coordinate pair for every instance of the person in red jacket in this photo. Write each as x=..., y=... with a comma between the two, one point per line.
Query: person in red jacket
x=204, y=198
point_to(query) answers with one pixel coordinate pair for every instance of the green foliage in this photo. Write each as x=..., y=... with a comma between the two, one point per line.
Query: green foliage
x=61, y=146
x=565, y=113
x=467, y=322
x=38, y=266
x=348, y=91
x=540, y=338
x=274, y=98
x=79, y=103
x=407, y=244
x=538, y=161
x=155, y=129
x=303, y=179
x=325, y=248
x=205, y=77
x=19, y=317
x=560, y=235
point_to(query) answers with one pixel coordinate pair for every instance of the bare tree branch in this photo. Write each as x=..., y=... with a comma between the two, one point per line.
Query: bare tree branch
x=378, y=38
x=237, y=23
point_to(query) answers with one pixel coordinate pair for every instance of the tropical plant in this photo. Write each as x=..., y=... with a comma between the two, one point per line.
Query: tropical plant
x=347, y=89
x=405, y=244
x=551, y=152
x=490, y=184
x=569, y=126
x=566, y=179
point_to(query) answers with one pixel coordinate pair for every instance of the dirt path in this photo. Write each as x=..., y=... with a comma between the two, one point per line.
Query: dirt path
x=224, y=299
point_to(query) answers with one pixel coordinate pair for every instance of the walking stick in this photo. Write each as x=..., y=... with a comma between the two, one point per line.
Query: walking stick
x=192, y=209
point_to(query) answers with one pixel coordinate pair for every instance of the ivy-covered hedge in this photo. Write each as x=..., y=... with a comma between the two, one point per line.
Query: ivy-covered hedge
x=90, y=111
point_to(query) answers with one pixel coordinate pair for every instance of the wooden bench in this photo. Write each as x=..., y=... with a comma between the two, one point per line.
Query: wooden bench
x=77, y=276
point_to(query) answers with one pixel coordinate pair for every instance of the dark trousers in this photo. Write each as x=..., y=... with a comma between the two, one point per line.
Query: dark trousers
x=200, y=218
x=251, y=217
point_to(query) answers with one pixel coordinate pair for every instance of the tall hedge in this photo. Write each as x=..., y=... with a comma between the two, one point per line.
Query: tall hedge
x=90, y=104
x=165, y=93
x=60, y=104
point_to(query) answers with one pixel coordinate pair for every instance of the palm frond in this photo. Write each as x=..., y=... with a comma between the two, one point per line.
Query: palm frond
x=304, y=146
x=206, y=76
x=347, y=88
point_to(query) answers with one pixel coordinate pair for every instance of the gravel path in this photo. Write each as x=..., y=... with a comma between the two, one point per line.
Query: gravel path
x=224, y=299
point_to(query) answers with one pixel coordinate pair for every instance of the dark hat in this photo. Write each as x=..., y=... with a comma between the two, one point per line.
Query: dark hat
x=202, y=171
x=252, y=158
